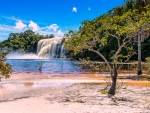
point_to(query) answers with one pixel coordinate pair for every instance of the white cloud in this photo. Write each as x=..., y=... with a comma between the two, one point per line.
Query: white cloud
x=54, y=27
x=89, y=8
x=33, y=26
x=20, y=25
x=60, y=33
x=74, y=9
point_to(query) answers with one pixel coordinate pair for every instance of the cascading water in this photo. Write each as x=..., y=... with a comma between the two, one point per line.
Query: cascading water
x=51, y=48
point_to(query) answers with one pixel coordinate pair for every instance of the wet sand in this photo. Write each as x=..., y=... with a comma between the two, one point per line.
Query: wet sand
x=71, y=93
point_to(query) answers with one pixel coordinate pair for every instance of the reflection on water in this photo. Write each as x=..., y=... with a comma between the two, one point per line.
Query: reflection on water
x=40, y=65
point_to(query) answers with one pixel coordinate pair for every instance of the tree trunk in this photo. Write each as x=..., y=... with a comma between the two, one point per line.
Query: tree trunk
x=139, y=54
x=114, y=73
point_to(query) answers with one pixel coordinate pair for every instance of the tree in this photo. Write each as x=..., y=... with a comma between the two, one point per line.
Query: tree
x=95, y=33
x=124, y=24
x=140, y=21
x=5, y=68
x=25, y=41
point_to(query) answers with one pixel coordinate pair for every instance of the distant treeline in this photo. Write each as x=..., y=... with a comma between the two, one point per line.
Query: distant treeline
x=25, y=41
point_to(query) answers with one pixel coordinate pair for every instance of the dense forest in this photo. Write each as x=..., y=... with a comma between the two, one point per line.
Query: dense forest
x=24, y=42
x=114, y=37
x=119, y=22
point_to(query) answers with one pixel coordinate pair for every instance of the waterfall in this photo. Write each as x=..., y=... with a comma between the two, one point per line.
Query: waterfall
x=51, y=48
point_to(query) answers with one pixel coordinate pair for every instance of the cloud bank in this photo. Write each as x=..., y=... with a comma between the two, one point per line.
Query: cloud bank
x=21, y=25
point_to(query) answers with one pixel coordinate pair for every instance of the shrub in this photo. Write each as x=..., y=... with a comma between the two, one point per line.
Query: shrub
x=5, y=68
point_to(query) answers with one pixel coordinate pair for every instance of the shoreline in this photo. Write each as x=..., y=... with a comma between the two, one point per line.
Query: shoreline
x=69, y=93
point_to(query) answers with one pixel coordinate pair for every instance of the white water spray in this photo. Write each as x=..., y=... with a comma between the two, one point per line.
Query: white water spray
x=19, y=55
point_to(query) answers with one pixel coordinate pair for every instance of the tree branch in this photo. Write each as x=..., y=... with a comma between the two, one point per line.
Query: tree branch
x=116, y=38
x=102, y=57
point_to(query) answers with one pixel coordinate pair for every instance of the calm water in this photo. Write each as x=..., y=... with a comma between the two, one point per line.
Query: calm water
x=40, y=65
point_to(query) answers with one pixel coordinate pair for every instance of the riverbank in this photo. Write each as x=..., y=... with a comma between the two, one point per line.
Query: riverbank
x=71, y=93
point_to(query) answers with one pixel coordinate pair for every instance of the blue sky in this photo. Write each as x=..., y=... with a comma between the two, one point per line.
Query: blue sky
x=49, y=16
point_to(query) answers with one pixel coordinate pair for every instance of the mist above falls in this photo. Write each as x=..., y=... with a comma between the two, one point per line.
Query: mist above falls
x=20, y=55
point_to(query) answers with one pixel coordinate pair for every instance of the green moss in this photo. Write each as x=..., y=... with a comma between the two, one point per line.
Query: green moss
x=104, y=92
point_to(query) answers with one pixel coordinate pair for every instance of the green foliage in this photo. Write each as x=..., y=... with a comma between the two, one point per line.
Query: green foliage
x=24, y=42
x=5, y=68
x=104, y=92
x=102, y=34
x=49, y=36
x=148, y=65
x=115, y=32
x=145, y=49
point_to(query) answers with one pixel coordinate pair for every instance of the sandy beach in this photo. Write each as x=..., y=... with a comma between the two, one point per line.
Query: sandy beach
x=70, y=93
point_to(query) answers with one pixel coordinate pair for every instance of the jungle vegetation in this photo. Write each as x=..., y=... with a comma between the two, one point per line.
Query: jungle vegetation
x=113, y=37
x=129, y=6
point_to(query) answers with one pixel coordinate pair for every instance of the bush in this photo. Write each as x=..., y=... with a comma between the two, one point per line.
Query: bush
x=5, y=68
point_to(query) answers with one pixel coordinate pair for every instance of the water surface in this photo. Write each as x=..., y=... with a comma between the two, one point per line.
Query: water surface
x=44, y=65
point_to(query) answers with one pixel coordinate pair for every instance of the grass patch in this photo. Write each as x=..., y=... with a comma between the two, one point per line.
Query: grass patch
x=79, y=101
x=104, y=92
x=67, y=100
